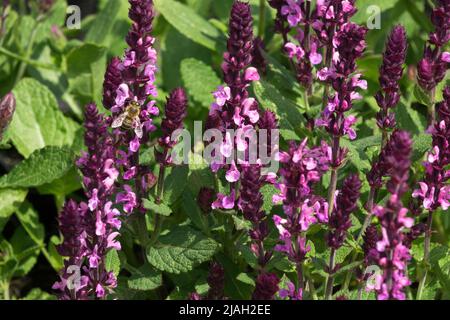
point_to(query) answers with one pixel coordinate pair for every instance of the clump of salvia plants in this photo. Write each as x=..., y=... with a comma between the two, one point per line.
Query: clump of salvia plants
x=297, y=158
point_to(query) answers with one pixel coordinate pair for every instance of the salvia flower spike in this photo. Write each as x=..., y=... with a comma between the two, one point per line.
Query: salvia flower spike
x=90, y=230
x=128, y=89
x=233, y=108
x=391, y=72
x=393, y=253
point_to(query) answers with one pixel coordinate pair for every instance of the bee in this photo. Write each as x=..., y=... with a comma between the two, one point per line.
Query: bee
x=129, y=119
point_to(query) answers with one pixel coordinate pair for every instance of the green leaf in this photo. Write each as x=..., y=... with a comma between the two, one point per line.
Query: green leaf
x=26, y=251
x=245, y=278
x=103, y=23
x=160, y=208
x=11, y=199
x=268, y=191
x=38, y=122
x=421, y=145
x=199, y=79
x=241, y=224
x=175, y=183
x=181, y=250
x=410, y=119
x=80, y=58
x=43, y=166
x=287, y=111
x=422, y=96
x=38, y=294
x=190, y=209
x=190, y=24
x=29, y=218
x=357, y=156
x=145, y=278
x=112, y=262
x=54, y=258
x=84, y=64
x=63, y=186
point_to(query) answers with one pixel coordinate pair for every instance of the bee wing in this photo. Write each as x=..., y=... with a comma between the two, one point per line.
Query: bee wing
x=138, y=128
x=117, y=123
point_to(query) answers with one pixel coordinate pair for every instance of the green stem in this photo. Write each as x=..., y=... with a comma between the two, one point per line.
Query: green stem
x=311, y=288
x=330, y=278
x=25, y=60
x=332, y=190
x=426, y=255
x=334, y=175
x=306, y=100
x=370, y=204
x=262, y=18
x=159, y=192
x=28, y=51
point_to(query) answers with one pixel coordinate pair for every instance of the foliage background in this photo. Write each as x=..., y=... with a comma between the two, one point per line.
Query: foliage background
x=54, y=75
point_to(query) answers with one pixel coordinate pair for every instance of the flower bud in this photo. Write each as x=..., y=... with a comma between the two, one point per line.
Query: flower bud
x=7, y=108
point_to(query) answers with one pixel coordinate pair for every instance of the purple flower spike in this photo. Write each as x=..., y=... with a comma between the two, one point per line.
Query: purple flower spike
x=346, y=204
x=391, y=72
x=434, y=191
x=432, y=68
x=90, y=229
x=175, y=112
x=392, y=248
x=216, y=282
x=266, y=286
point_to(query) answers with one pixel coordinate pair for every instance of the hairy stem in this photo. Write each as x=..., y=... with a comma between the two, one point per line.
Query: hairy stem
x=426, y=255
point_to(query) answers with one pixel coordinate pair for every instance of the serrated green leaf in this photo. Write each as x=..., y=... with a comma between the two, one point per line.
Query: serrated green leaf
x=37, y=121
x=160, y=208
x=199, y=79
x=181, y=250
x=145, y=278
x=190, y=24
x=43, y=166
